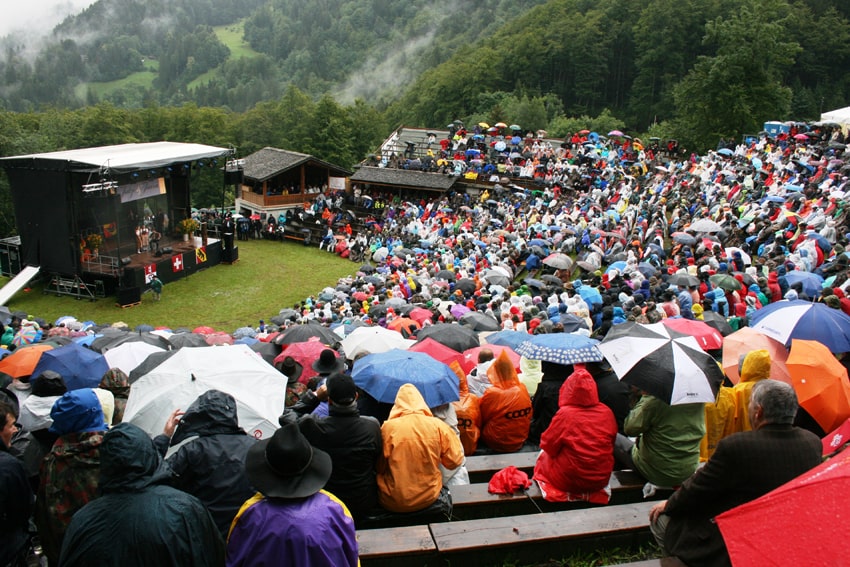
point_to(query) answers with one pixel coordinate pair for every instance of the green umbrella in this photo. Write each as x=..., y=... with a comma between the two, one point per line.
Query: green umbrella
x=725, y=281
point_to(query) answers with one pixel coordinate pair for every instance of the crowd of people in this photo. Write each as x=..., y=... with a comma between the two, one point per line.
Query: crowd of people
x=606, y=233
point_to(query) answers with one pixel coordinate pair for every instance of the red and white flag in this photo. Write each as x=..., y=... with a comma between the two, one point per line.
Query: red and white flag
x=177, y=263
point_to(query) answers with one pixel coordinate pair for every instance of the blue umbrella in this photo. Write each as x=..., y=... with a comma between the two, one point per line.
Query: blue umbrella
x=619, y=266
x=798, y=319
x=792, y=187
x=812, y=283
x=774, y=199
x=246, y=341
x=590, y=295
x=821, y=241
x=79, y=366
x=561, y=348
x=507, y=338
x=725, y=152
x=86, y=340
x=382, y=374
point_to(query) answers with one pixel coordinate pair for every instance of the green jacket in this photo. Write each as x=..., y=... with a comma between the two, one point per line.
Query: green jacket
x=667, y=449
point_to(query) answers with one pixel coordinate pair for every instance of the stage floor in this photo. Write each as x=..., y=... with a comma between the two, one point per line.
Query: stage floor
x=109, y=262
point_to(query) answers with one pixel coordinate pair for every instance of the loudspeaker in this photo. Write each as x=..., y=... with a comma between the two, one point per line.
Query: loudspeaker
x=233, y=177
x=129, y=295
x=167, y=250
x=125, y=260
x=157, y=254
x=230, y=255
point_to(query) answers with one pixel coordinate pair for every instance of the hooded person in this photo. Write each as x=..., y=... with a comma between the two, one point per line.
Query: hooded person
x=577, y=449
x=754, y=367
x=35, y=439
x=545, y=402
x=204, y=451
x=138, y=520
x=468, y=413
x=116, y=381
x=70, y=471
x=505, y=408
x=291, y=520
x=15, y=494
x=415, y=443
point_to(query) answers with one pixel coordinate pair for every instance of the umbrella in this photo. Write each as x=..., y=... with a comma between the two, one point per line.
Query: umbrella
x=552, y=280
x=303, y=333
x=648, y=270
x=590, y=295
x=79, y=367
x=725, y=152
x=478, y=321
x=203, y=330
x=495, y=277
x=217, y=339
x=707, y=337
x=447, y=275
x=459, y=310
x=558, y=261
x=615, y=133
x=420, y=315
x=705, y=225
x=242, y=332
x=685, y=280
x=811, y=282
x=113, y=339
x=727, y=282
x=684, y=238
x=128, y=355
x=370, y=340
x=26, y=335
x=466, y=285
x=382, y=374
x=730, y=253
x=572, y=322
x=457, y=337
x=404, y=325
x=152, y=361
x=798, y=319
x=268, y=351
x=507, y=338
x=367, y=269
x=305, y=354
x=259, y=389
x=437, y=351
x=23, y=361
x=799, y=523
x=658, y=360
x=470, y=357
x=561, y=348
x=748, y=339
x=821, y=383
x=180, y=340
x=717, y=321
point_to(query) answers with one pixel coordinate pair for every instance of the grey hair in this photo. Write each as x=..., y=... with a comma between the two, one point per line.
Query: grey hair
x=777, y=400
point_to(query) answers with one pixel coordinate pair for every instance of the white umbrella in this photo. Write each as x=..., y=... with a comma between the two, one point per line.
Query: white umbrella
x=705, y=225
x=129, y=355
x=258, y=388
x=730, y=250
x=370, y=340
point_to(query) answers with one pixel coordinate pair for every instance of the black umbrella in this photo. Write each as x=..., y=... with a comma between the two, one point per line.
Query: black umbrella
x=374, y=280
x=153, y=360
x=127, y=337
x=457, y=337
x=367, y=269
x=180, y=340
x=267, y=350
x=447, y=275
x=717, y=321
x=495, y=277
x=403, y=252
x=303, y=333
x=686, y=280
x=478, y=321
x=378, y=311
x=466, y=285
x=553, y=281
x=572, y=323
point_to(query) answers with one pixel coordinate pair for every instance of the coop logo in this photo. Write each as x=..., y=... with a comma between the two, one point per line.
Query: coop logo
x=464, y=423
x=517, y=414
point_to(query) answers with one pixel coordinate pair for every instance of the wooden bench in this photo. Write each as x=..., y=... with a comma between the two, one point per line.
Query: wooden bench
x=481, y=468
x=475, y=501
x=538, y=537
x=493, y=541
x=412, y=545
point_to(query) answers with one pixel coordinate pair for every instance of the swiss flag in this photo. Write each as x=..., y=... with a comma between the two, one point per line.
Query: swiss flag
x=150, y=272
x=177, y=263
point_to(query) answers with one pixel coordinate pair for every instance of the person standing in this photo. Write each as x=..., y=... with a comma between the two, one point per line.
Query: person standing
x=745, y=465
x=156, y=287
x=138, y=521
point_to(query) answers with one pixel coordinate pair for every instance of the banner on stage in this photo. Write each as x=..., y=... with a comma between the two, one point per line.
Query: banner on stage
x=201, y=255
x=177, y=263
x=150, y=273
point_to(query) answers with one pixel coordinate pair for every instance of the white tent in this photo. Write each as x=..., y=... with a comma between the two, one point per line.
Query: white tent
x=840, y=116
x=258, y=388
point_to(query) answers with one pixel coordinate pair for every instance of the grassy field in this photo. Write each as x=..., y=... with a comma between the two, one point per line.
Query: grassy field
x=268, y=277
x=231, y=36
x=140, y=79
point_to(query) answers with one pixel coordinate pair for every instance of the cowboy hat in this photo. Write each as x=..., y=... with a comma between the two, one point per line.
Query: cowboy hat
x=328, y=362
x=286, y=465
x=291, y=368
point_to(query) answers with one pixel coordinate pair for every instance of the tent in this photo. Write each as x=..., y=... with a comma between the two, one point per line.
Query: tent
x=840, y=116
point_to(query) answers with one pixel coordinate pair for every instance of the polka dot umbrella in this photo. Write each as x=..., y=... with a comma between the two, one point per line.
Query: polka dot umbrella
x=561, y=348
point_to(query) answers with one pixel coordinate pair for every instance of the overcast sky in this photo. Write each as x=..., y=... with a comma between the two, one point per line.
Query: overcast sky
x=37, y=16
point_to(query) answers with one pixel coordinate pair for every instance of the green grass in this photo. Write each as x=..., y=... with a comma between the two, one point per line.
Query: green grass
x=231, y=36
x=268, y=277
x=138, y=80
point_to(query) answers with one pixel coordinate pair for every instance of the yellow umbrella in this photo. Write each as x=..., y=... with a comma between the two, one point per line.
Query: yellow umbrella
x=484, y=125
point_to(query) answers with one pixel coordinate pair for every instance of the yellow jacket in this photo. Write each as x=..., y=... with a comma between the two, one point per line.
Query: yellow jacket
x=415, y=443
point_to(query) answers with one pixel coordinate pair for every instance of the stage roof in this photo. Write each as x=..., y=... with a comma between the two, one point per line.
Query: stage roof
x=124, y=157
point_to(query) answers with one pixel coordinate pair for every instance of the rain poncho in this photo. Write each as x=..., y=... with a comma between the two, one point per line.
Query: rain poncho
x=117, y=382
x=138, y=521
x=415, y=443
x=578, y=447
x=468, y=415
x=505, y=408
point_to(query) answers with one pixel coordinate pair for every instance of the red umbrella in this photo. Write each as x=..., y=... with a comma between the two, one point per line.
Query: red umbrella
x=305, y=353
x=837, y=439
x=420, y=315
x=437, y=351
x=470, y=357
x=707, y=336
x=803, y=522
x=203, y=330
x=219, y=338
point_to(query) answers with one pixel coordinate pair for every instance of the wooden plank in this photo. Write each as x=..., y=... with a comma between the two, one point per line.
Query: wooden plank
x=395, y=542
x=537, y=529
x=482, y=467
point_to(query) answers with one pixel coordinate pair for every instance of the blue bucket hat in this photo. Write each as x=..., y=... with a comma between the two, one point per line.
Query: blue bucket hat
x=77, y=411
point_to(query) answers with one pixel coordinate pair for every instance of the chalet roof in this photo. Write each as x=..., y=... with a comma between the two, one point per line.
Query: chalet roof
x=268, y=162
x=404, y=178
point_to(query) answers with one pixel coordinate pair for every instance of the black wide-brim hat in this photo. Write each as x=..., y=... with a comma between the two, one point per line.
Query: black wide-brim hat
x=328, y=362
x=286, y=465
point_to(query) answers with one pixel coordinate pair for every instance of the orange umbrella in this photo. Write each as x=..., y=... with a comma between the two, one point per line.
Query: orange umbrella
x=470, y=356
x=746, y=340
x=22, y=362
x=820, y=382
x=404, y=324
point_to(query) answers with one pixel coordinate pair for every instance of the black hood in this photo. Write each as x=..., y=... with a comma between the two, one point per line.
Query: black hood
x=213, y=413
x=129, y=460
